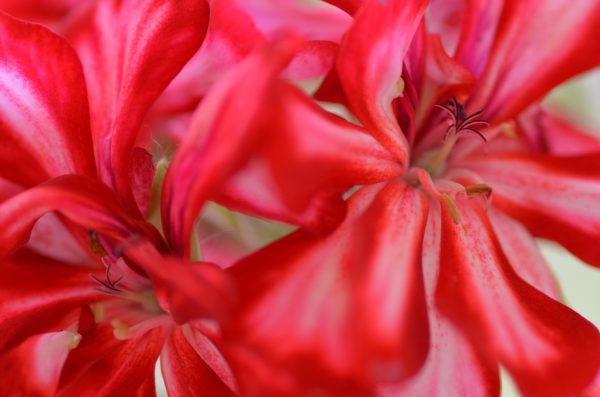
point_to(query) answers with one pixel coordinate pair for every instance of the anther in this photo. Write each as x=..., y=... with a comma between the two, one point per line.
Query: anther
x=94, y=244
x=452, y=208
x=479, y=188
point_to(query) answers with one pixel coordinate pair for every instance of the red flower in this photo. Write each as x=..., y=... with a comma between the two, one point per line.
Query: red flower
x=353, y=304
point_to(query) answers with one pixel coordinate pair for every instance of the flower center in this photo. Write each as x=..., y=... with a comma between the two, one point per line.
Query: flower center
x=434, y=161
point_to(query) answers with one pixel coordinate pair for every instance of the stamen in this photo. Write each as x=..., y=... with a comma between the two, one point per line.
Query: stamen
x=75, y=341
x=452, y=208
x=461, y=122
x=98, y=312
x=479, y=188
x=94, y=244
x=121, y=330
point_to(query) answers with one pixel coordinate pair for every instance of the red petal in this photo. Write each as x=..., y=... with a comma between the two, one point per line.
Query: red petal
x=370, y=66
x=188, y=291
x=219, y=140
x=33, y=369
x=549, y=349
x=37, y=295
x=102, y=366
x=44, y=119
x=453, y=363
x=86, y=202
x=359, y=316
x=555, y=197
x=523, y=254
x=549, y=134
x=528, y=59
x=185, y=371
x=350, y=6
x=130, y=52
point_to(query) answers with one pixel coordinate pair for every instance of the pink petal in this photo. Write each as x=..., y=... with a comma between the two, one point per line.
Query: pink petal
x=350, y=6
x=549, y=349
x=44, y=120
x=130, y=53
x=550, y=134
x=38, y=295
x=185, y=371
x=453, y=363
x=523, y=254
x=516, y=76
x=33, y=368
x=370, y=66
x=357, y=317
x=554, y=197
x=102, y=366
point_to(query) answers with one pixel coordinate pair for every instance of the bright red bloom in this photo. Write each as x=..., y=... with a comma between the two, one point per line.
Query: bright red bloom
x=460, y=216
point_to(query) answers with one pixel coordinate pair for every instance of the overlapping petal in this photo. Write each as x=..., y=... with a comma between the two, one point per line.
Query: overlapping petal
x=528, y=59
x=548, y=348
x=370, y=66
x=313, y=306
x=43, y=106
x=105, y=366
x=130, y=52
x=555, y=197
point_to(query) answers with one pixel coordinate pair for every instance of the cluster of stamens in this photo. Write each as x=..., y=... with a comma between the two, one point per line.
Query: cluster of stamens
x=461, y=121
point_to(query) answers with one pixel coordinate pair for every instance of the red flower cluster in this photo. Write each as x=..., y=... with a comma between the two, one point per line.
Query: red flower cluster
x=412, y=269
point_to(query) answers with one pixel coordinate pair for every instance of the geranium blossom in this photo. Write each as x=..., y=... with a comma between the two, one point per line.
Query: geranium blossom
x=414, y=269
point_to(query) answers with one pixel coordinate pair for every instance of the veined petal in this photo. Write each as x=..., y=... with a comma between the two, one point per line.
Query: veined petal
x=555, y=197
x=103, y=366
x=516, y=76
x=453, y=363
x=186, y=373
x=130, y=52
x=549, y=134
x=38, y=294
x=44, y=119
x=370, y=66
x=33, y=368
x=549, y=349
x=319, y=307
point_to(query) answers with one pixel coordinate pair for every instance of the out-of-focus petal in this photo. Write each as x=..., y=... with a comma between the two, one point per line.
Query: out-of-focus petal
x=186, y=373
x=370, y=66
x=130, y=52
x=523, y=253
x=361, y=316
x=33, y=368
x=529, y=58
x=549, y=134
x=548, y=348
x=38, y=294
x=350, y=6
x=555, y=197
x=103, y=366
x=44, y=119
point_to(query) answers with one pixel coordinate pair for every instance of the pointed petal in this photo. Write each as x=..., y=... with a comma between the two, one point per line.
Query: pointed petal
x=185, y=372
x=548, y=348
x=102, y=366
x=37, y=295
x=370, y=66
x=350, y=6
x=34, y=367
x=550, y=134
x=130, y=52
x=355, y=317
x=555, y=197
x=523, y=254
x=516, y=76
x=44, y=120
